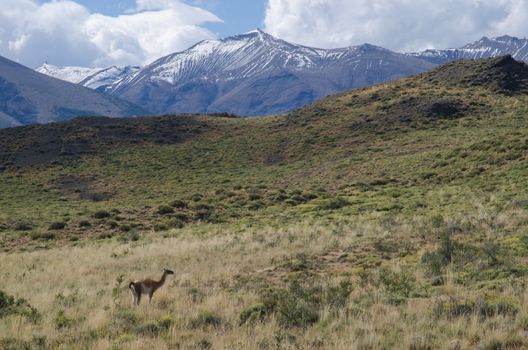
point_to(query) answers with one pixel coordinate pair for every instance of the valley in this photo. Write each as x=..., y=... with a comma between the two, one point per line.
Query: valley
x=391, y=216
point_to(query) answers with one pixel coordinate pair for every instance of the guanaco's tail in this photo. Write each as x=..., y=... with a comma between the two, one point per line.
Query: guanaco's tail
x=131, y=285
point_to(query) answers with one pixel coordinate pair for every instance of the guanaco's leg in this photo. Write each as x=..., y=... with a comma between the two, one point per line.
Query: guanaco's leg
x=150, y=296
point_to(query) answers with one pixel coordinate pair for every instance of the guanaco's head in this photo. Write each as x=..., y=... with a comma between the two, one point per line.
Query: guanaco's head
x=168, y=272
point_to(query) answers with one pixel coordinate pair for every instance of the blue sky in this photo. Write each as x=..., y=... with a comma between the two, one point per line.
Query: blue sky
x=100, y=33
x=238, y=16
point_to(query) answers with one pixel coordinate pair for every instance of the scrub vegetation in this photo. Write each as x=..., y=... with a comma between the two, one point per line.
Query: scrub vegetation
x=391, y=217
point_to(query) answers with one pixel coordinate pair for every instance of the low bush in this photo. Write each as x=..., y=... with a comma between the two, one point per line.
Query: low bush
x=101, y=214
x=59, y=225
x=165, y=210
x=299, y=305
x=485, y=307
x=160, y=227
x=175, y=223
x=61, y=320
x=112, y=224
x=24, y=226
x=85, y=224
x=179, y=204
x=256, y=312
x=43, y=235
x=333, y=203
x=206, y=320
x=124, y=320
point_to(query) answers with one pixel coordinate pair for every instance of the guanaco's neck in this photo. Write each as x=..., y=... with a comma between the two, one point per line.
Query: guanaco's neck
x=162, y=280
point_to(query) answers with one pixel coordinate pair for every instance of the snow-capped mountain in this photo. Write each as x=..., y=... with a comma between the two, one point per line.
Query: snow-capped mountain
x=28, y=97
x=100, y=79
x=105, y=79
x=257, y=74
x=484, y=48
x=70, y=74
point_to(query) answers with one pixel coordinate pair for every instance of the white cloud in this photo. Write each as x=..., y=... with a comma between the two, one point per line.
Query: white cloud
x=63, y=32
x=403, y=25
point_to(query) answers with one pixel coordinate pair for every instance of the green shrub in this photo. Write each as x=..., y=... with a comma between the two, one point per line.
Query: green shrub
x=112, y=224
x=486, y=306
x=421, y=343
x=14, y=344
x=256, y=205
x=24, y=226
x=165, y=322
x=206, y=320
x=6, y=302
x=197, y=197
x=101, y=214
x=124, y=319
x=125, y=227
x=204, y=344
x=256, y=312
x=299, y=307
x=104, y=235
x=85, y=224
x=509, y=342
x=10, y=305
x=57, y=225
x=165, y=210
x=397, y=285
x=437, y=260
x=179, y=204
x=67, y=300
x=175, y=223
x=337, y=297
x=62, y=321
x=160, y=227
x=309, y=196
x=149, y=329
x=43, y=235
x=254, y=196
x=333, y=203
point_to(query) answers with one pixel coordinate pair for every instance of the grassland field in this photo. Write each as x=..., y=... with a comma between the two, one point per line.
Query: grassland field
x=391, y=217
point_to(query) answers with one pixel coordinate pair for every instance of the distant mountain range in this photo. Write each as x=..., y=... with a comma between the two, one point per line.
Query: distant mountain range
x=249, y=74
x=484, y=48
x=252, y=74
x=100, y=79
x=28, y=97
x=257, y=74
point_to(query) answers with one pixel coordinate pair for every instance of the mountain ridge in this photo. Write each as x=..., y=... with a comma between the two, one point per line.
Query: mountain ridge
x=270, y=75
x=28, y=97
x=483, y=48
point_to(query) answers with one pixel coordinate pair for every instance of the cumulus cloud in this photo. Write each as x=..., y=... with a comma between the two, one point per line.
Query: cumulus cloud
x=63, y=32
x=402, y=25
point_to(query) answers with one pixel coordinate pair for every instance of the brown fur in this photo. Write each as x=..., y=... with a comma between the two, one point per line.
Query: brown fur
x=147, y=286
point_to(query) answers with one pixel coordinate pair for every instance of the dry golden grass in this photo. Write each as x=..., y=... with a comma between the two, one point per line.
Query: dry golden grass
x=220, y=272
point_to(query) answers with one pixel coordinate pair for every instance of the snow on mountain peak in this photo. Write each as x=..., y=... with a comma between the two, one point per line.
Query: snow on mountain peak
x=94, y=78
x=71, y=74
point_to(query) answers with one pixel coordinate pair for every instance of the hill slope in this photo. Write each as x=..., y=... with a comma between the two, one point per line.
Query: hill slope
x=391, y=217
x=28, y=97
x=342, y=143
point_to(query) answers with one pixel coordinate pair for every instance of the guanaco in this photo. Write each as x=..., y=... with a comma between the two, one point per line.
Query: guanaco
x=147, y=286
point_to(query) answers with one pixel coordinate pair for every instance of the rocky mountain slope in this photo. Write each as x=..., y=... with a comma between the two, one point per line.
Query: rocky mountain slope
x=28, y=97
x=249, y=74
x=258, y=74
x=483, y=48
x=100, y=79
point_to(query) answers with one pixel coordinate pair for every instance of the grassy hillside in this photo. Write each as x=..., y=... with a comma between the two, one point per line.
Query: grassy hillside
x=388, y=217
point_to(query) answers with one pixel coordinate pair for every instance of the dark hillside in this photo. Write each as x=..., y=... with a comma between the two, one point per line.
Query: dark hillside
x=390, y=148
